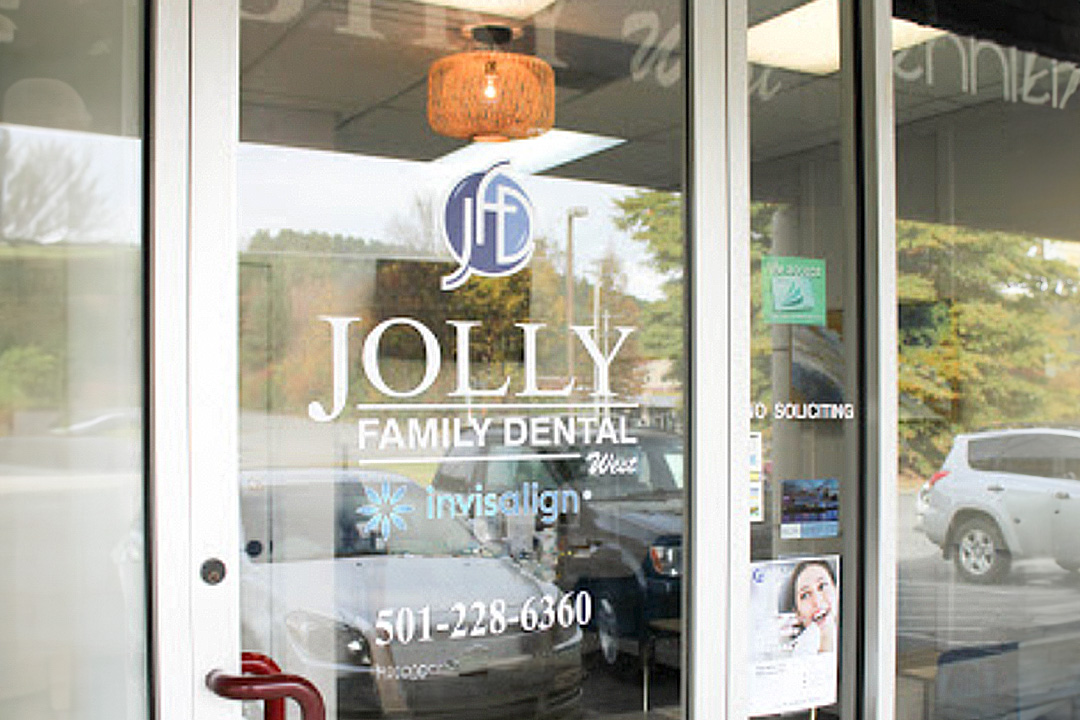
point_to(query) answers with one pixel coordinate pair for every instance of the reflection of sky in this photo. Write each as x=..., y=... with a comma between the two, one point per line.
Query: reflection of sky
x=372, y=198
x=115, y=165
x=352, y=195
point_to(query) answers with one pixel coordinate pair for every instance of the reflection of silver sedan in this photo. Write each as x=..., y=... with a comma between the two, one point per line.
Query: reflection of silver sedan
x=348, y=582
x=1005, y=495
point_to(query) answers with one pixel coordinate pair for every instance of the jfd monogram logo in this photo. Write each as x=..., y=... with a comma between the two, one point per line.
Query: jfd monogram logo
x=488, y=226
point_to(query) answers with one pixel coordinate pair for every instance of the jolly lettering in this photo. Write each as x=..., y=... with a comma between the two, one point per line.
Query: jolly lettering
x=370, y=362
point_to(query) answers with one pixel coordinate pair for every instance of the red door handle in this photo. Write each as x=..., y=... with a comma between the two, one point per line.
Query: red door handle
x=258, y=664
x=252, y=663
x=272, y=687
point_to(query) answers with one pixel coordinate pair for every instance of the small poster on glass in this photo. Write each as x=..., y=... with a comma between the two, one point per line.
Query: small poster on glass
x=795, y=610
x=810, y=509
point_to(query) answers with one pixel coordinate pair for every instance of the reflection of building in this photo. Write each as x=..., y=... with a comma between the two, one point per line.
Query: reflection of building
x=660, y=400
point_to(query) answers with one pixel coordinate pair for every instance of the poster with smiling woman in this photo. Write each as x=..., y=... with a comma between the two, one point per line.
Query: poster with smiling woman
x=795, y=609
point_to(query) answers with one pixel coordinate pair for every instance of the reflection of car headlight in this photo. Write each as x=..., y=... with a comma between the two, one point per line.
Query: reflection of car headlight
x=666, y=559
x=328, y=640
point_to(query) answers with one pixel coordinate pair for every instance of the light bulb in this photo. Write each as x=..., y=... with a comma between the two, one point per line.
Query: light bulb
x=490, y=76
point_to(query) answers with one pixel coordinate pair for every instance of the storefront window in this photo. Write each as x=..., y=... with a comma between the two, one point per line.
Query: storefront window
x=462, y=361
x=988, y=145
x=73, y=600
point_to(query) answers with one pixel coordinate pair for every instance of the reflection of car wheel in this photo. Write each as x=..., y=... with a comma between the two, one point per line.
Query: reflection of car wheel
x=607, y=631
x=1070, y=566
x=980, y=554
x=611, y=645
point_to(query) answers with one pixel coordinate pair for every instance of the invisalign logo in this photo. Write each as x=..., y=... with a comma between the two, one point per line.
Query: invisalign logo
x=530, y=500
x=385, y=510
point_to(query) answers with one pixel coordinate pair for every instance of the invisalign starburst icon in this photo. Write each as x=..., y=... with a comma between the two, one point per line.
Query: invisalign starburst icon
x=385, y=510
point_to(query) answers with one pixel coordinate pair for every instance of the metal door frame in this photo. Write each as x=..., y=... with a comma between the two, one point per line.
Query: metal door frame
x=193, y=132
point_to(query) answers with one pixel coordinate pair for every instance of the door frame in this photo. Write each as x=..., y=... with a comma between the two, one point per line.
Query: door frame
x=193, y=77
x=193, y=130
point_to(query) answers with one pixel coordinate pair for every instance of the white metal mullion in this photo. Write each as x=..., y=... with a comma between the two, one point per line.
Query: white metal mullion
x=167, y=146
x=739, y=384
x=879, y=193
x=212, y=350
x=718, y=522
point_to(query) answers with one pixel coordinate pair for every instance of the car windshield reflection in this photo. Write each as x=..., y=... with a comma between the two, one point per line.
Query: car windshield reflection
x=649, y=470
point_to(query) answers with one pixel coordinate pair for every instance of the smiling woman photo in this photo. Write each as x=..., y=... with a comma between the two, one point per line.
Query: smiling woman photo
x=813, y=597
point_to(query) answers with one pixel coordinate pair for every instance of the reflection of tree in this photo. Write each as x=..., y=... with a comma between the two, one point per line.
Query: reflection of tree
x=988, y=334
x=655, y=218
x=290, y=279
x=761, y=242
x=287, y=280
x=48, y=193
x=29, y=378
x=419, y=231
x=617, y=307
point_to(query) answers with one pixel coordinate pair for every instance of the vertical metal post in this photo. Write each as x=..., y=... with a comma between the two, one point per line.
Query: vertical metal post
x=719, y=361
x=168, y=146
x=212, y=352
x=571, y=214
x=877, y=150
x=869, y=199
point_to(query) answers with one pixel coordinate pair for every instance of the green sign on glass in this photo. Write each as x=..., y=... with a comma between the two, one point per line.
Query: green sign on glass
x=793, y=290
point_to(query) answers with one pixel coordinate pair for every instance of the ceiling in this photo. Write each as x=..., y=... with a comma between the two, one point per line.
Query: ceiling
x=323, y=79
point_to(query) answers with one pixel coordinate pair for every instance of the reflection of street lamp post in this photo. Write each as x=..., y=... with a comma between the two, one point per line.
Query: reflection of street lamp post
x=596, y=322
x=576, y=211
x=5, y=149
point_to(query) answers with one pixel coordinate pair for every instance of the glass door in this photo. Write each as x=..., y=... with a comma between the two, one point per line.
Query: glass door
x=813, y=402
x=461, y=376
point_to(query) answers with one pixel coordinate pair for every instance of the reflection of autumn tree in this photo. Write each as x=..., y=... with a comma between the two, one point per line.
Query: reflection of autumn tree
x=412, y=289
x=287, y=280
x=55, y=300
x=549, y=306
x=290, y=279
x=988, y=334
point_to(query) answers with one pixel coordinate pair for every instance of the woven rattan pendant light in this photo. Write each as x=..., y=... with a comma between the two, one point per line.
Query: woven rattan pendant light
x=491, y=95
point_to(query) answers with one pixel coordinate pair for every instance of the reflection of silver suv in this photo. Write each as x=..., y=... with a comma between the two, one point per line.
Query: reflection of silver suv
x=1005, y=495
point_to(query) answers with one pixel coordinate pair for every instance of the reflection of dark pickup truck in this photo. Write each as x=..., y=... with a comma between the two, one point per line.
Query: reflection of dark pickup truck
x=624, y=545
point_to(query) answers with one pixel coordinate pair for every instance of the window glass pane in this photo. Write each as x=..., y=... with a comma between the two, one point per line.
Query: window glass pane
x=453, y=369
x=988, y=143
x=804, y=332
x=72, y=603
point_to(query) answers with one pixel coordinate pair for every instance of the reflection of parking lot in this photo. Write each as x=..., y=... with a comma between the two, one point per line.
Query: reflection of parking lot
x=937, y=607
x=610, y=696
x=1021, y=635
